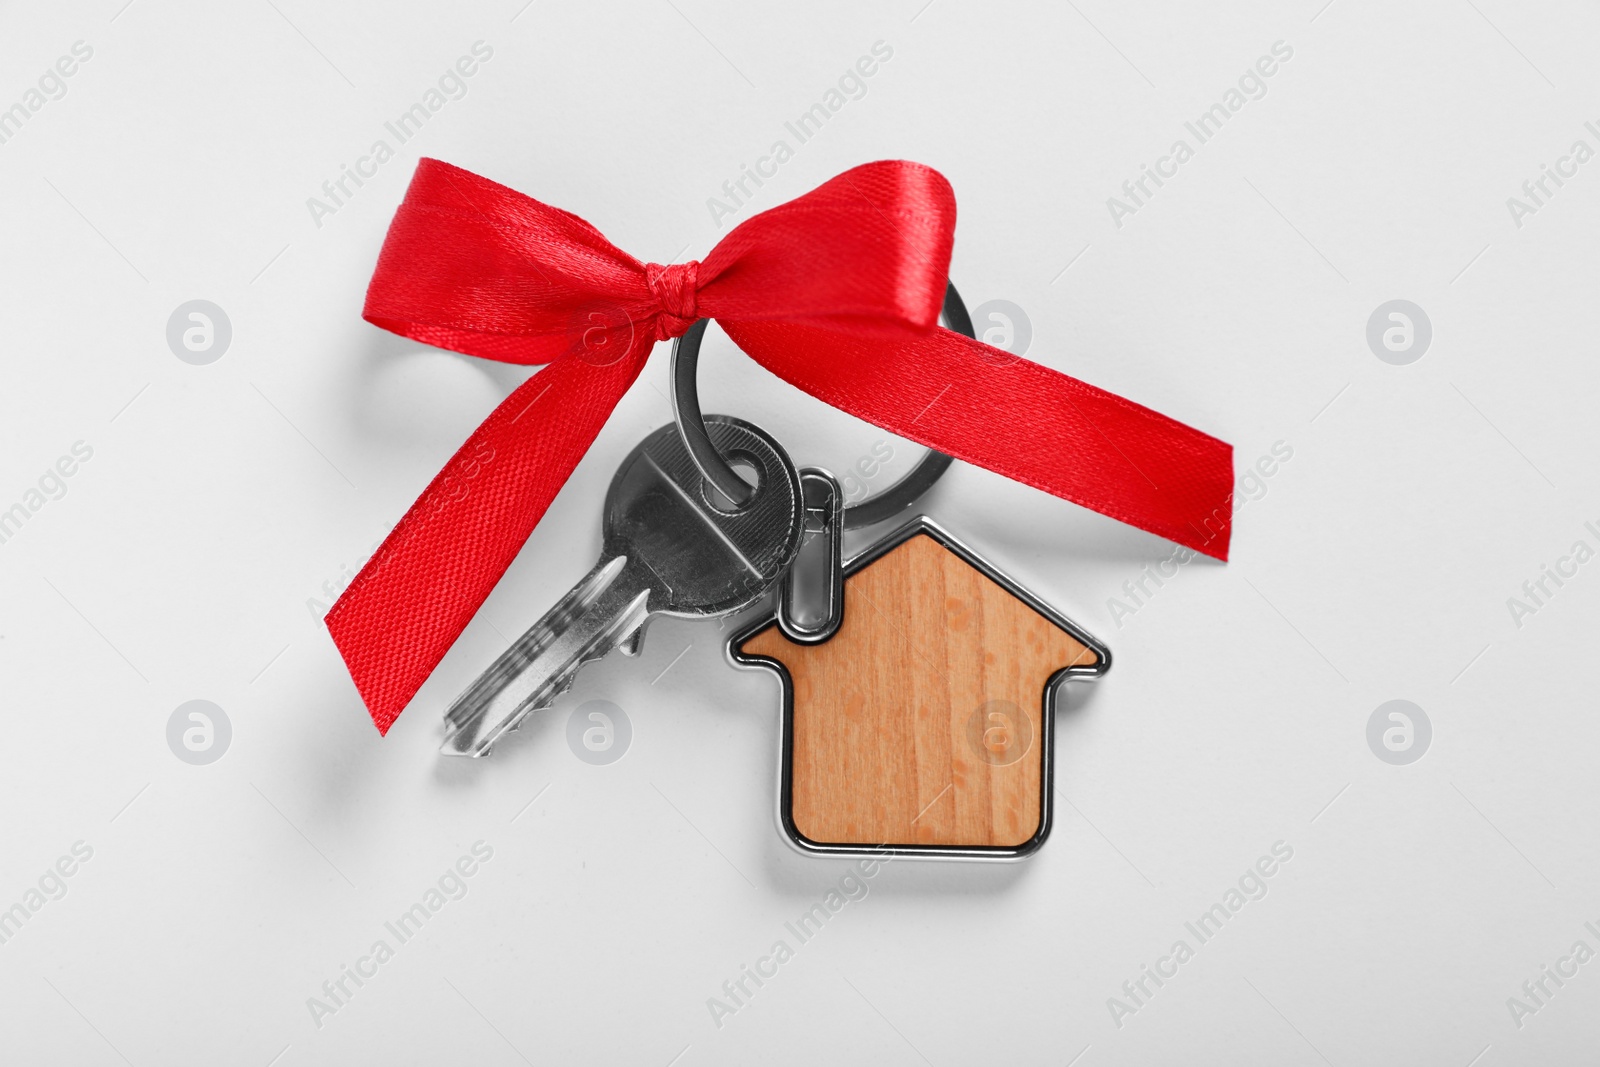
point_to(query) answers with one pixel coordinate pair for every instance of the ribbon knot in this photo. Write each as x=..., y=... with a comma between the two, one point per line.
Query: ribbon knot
x=676, y=287
x=836, y=292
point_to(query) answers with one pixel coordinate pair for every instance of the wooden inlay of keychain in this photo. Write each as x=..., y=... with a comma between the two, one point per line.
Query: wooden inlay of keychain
x=924, y=724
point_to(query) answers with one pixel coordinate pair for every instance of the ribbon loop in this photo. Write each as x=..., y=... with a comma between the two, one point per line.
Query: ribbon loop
x=837, y=292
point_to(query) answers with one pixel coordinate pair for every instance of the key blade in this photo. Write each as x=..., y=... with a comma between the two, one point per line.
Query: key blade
x=532, y=643
x=602, y=611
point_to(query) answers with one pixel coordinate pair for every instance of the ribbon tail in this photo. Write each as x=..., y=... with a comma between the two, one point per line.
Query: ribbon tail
x=422, y=586
x=1016, y=418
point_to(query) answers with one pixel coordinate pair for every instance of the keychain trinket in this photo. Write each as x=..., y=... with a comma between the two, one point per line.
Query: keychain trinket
x=918, y=681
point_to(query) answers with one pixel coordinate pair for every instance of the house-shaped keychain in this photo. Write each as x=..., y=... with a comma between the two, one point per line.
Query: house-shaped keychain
x=924, y=724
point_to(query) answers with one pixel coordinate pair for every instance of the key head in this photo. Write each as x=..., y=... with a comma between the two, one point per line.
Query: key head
x=699, y=555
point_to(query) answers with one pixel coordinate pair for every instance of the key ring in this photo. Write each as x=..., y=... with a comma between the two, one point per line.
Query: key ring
x=715, y=469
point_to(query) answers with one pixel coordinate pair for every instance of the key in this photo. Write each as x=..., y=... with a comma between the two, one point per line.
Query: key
x=673, y=546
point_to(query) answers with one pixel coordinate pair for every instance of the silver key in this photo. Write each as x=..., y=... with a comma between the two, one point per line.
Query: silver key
x=673, y=546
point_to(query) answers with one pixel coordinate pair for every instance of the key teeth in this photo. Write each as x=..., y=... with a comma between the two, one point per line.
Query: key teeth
x=473, y=703
x=553, y=692
x=600, y=615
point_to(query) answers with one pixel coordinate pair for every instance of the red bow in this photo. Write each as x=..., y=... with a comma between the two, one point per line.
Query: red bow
x=837, y=292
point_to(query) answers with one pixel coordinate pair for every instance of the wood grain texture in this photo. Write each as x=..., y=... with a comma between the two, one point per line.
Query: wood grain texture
x=894, y=735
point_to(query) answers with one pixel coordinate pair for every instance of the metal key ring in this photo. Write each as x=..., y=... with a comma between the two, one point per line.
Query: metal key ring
x=715, y=469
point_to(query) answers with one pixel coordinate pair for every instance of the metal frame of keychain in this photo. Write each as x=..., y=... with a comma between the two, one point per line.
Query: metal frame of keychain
x=810, y=610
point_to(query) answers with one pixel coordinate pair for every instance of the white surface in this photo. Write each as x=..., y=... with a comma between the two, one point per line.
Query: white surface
x=1377, y=565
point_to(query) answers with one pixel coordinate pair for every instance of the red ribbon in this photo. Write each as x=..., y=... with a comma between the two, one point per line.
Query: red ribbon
x=837, y=292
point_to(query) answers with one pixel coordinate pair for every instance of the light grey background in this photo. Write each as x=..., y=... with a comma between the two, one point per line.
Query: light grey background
x=1377, y=566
